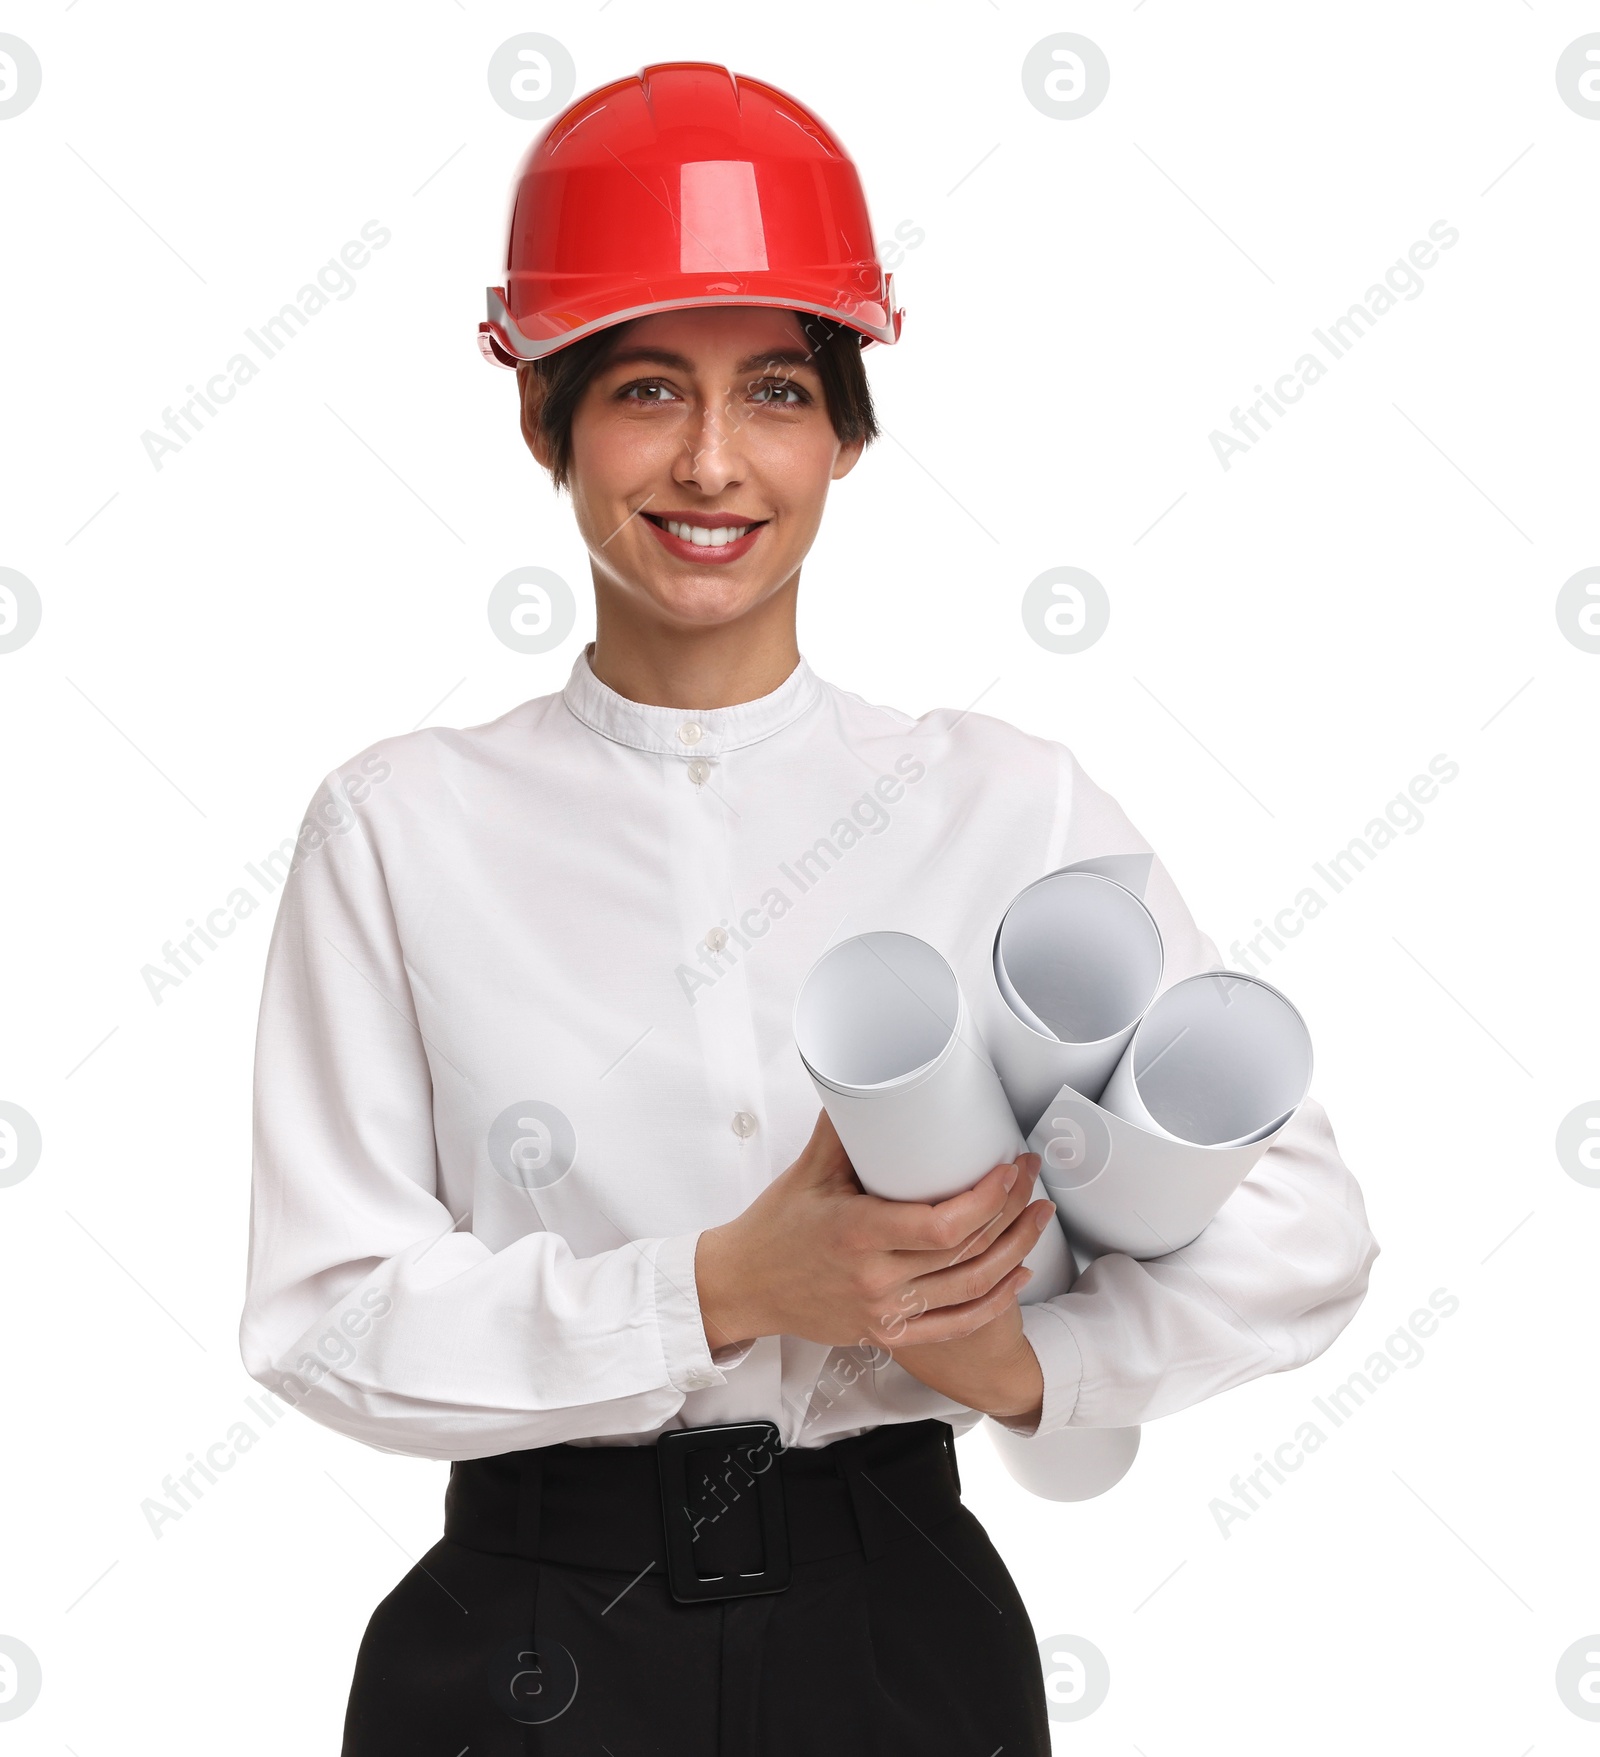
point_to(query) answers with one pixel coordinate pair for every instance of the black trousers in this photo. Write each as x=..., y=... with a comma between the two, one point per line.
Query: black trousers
x=543, y=1622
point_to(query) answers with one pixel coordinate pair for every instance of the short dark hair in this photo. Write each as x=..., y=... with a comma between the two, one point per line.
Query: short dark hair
x=552, y=387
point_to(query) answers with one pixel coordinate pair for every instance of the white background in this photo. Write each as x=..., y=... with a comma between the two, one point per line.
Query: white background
x=1373, y=583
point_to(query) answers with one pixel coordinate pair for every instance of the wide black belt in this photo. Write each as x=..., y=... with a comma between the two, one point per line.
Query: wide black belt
x=724, y=1512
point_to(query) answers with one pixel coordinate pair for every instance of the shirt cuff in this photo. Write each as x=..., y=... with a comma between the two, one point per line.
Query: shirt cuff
x=1062, y=1365
x=689, y=1361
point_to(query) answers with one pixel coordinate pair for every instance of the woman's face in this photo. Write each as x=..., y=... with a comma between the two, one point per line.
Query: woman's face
x=701, y=457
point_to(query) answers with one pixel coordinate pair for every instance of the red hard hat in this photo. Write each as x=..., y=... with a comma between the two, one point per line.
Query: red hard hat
x=684, y=185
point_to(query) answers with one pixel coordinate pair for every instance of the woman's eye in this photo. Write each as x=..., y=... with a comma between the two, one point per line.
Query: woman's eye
x=774, y=394
x=649, y=394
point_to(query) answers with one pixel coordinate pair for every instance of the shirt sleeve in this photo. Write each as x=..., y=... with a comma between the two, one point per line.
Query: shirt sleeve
x=1267, y=1286
x=366, y=1308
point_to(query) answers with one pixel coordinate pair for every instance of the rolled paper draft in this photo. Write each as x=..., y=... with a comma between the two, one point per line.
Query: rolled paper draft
x=1072, y=1464
x=1077, y=959
x=884, y=1031
x=1216, y=1069
x=1219, y=1060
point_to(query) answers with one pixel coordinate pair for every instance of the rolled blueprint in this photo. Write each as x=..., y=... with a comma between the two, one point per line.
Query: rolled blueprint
x=1211, y=1072
x=883, y=1029
x=1219, y=1060
x=1192, y=1087
x=1072, y=1464
x=902, y=1071
x=1077, y=960
x=1215, y=1069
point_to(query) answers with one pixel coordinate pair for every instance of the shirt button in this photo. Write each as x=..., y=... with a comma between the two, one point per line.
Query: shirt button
x=699, y=771
x=691, y=732
x=716, y=939
x=744, y=1125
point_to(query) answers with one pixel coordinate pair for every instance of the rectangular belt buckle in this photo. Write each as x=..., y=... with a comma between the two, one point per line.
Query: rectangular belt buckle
x=748, y=1465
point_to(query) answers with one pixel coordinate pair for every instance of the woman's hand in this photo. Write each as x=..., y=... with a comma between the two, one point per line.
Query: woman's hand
x=992, y=1369
x=815, y=1256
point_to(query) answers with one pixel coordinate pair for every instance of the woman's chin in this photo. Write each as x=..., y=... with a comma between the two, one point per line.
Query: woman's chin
x=703, y=603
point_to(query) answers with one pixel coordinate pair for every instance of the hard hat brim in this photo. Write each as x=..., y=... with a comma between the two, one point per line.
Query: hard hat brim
x=504, y=343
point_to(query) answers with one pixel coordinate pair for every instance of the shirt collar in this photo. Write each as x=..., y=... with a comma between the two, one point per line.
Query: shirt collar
x=686, y=732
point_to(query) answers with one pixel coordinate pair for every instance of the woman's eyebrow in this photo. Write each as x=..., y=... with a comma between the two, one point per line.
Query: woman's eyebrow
x=777, y=357
x=644, y=355
x=650, y=357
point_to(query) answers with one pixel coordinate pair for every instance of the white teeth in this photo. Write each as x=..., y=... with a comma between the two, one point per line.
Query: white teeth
x=704, y=537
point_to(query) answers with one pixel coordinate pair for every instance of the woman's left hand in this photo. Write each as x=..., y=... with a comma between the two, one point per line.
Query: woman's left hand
x=992, y=1368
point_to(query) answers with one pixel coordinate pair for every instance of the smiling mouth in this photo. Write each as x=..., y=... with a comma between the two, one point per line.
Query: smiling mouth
x=705, y=536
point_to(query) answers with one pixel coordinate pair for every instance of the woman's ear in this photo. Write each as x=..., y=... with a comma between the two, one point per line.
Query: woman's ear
x=531, y=388
x=849, y=456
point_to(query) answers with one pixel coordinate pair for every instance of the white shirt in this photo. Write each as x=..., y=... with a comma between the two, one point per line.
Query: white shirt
x=525, y=1032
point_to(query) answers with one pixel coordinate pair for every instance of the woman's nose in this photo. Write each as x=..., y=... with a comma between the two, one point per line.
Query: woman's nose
x=712, y=458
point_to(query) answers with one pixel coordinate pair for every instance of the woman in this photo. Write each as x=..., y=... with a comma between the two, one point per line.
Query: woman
x=541, y=1187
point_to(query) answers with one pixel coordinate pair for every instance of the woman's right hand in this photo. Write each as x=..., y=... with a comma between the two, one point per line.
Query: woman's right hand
x=816, y=1256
